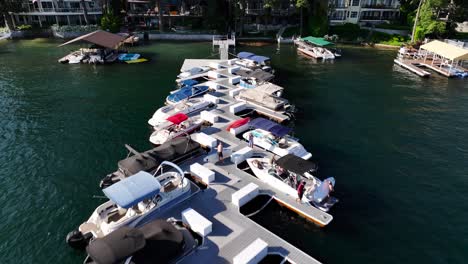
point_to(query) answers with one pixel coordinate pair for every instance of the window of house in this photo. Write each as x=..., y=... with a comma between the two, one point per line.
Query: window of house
x=46, y=4
x=353, y=14
x=75, y=5
x=355, y=2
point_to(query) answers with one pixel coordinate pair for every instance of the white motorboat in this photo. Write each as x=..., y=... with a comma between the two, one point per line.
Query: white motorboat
x=193, y=71
x=288, y=172
x=274, y=137
x=133, y=201
x=176, y=126
x=316, y=52
x=187, y=107
x=75, y=58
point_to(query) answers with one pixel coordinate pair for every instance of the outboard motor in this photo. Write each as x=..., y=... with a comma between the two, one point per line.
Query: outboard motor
x=77, y=240
x=321, y=196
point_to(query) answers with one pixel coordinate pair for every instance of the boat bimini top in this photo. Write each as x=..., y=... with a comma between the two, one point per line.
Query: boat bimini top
x=132, y=190
x=296, y=164
x=270, y=126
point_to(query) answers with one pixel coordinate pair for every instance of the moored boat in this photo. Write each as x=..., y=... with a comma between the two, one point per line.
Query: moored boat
x=274, y=137
x=132, y=202
x=288, y=172
x=176, y=126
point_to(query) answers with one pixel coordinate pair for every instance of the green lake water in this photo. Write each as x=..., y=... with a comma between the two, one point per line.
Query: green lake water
x=396, y=144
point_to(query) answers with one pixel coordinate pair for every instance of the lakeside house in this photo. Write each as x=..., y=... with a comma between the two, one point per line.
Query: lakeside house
x=363, y=11
x=71, y=12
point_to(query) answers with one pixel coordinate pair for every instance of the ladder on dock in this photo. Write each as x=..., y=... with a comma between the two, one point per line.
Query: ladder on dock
x=224, y=42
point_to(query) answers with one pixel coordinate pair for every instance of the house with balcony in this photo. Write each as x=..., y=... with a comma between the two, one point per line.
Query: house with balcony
x=363, y=11
x=62, y=12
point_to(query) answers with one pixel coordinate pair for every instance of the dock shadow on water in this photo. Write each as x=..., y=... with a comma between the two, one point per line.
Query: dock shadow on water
x=281, y=221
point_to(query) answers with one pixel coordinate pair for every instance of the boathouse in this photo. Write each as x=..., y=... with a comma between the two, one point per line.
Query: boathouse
x=444, y=58
x=104, y=47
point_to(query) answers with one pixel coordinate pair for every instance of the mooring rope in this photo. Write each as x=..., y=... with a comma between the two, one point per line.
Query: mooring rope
x=263, y=207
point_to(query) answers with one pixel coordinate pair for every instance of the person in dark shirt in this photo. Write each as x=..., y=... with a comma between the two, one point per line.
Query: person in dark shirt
x=300, y=191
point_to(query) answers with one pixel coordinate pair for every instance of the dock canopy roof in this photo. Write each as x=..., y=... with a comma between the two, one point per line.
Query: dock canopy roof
x=269, y=88
x=446, y=50
x=270, y=126
x=296, y=164
x=317, y=41
x=100, y=38
x=244, y=55
x=132, y=190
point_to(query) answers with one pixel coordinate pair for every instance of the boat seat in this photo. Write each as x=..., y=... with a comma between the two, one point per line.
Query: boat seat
x=169, y=186
x=91, y=228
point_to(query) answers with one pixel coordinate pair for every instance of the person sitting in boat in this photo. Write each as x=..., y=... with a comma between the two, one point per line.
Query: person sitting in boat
x=283, y=143
x=258, y=164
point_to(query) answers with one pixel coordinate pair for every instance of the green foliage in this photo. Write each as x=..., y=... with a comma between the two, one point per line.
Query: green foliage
x=302, y=3
x=110, y=22
x=393, y=26
x=24, y=27
x=271, y=3
x=4, y=30
x=317, y=26
x=77, y=28
x=428, y=23
x=383, y=38
x=348, y=31
x=291, y=31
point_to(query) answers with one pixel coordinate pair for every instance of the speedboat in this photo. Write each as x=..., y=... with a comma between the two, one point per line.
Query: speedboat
x=160, y=241
x=176, y=126
x=186, y=92
x=315, y=47
x=75, y=58
x=187, y=107
x=288, y=172
x=132, y=202
x=264, y=98
x=175, y=151
x=252, y=61
x=274, y=137
x=128, y=56
x=316, y=52
x=193, y=71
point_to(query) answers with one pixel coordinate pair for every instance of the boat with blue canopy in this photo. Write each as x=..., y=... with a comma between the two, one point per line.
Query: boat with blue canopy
x=253, y=61
x=274, y=137
x=134, y=201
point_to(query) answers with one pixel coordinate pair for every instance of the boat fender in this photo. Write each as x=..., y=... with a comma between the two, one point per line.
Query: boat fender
x=77, y=240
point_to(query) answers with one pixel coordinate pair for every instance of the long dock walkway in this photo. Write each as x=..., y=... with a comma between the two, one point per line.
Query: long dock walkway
x=232, y=231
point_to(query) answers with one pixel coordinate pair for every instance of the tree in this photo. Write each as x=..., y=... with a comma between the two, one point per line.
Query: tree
x=7, y=6
x=429, y=24
x=416, y=21
x=301, y=4
x=85, y=11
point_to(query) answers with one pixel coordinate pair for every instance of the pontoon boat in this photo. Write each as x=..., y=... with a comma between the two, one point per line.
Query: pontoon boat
x=134, y=201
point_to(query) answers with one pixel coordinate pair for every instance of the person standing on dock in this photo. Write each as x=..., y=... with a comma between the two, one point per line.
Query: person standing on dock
x=251, y=140
x=300, y=191
x=219, y=149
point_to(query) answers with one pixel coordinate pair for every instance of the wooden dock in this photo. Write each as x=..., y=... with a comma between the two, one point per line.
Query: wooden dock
x=411, y=66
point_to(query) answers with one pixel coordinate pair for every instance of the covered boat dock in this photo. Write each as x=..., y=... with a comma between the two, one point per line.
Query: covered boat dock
x=105, y=47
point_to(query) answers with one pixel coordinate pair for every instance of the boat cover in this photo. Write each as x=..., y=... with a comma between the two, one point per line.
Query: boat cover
x=149, y=160
x=270, y=88
x=187, y=92
x=116, y=246
x=238, y=123
x=244, y=55
x=258, y=59
x=188, y=82
x=132, y=190
x=296, y=164
x=270, y=126
x=177, y=118
x=261, y=75
x=155, y=242
x=164, y=243
x=261, y=98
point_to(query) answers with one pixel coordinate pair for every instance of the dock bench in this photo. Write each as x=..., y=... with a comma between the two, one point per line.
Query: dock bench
x=200, y=171
x=241, y=155
x=253, y=253
x=197, y=222
x=211, y=98
x=235, y=91
x=209, y=116
x=237, y=107
x=245, y=194
x=204, y=140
